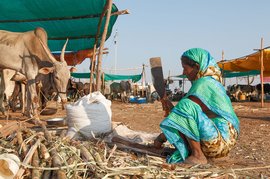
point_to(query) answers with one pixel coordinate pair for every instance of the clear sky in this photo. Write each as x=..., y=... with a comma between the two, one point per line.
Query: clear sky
x=158, y=28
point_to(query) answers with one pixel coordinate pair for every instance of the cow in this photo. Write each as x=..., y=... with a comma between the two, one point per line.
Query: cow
x=14, y=97
x=124, y=88
x=235, y=91
x=28, y=54
x=266, y=88
x=86, y=88
x=44, y=86
x=75, y=89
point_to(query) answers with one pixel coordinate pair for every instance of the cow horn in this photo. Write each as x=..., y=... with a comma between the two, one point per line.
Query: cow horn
x=62, y=56
x=49, y=54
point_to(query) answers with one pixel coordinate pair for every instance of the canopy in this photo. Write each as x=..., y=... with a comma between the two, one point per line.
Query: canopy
x=248, y=63
x=62, y=19
x=230, y=74
x=134, y=78
x=110, y=77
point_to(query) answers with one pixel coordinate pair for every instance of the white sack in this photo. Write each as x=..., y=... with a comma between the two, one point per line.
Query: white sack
x=90, y=116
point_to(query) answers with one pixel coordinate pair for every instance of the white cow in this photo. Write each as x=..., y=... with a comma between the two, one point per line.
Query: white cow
x=28, y=54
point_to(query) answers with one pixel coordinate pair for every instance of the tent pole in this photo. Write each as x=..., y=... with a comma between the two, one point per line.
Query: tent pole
x=103, y=83
x=222, y=72
x=143, y=81
x=103, y=38
x=262, y=69
x=93, y=60
x=92, y=68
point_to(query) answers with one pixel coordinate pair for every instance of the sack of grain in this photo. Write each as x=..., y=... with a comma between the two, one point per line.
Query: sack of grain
x=89, y=116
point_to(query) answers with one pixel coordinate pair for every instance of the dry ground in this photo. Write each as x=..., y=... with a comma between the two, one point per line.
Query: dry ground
x=251, y=153
x=252, y=149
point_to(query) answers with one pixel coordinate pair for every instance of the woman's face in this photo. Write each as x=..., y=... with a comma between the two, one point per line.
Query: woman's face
x=190, y=71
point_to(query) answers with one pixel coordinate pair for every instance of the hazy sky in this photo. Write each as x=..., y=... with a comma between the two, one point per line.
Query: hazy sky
x=158, y=28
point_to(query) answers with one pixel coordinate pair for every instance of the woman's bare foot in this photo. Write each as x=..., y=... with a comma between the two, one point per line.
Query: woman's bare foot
x=196, y=160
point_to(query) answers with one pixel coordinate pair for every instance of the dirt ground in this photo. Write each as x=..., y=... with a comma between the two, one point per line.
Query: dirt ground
x=252, y=149
x=251, y=153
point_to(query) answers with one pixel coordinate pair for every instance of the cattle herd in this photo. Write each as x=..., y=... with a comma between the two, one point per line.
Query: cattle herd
x=250, y=93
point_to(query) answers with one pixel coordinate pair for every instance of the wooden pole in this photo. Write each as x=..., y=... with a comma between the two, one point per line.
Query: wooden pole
x=103, y=38
x=93, y=60
x=92, y=67
x=262, y=69
x=223, y=78
x=103, y=83
x=143, y=81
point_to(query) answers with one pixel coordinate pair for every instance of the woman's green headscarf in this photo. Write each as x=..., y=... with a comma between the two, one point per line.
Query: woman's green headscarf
x=208, y=65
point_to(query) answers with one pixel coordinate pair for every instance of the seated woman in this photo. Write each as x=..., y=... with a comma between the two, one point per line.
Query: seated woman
x=203, y=124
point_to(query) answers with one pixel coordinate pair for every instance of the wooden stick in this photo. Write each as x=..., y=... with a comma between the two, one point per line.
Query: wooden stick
x=27, y=159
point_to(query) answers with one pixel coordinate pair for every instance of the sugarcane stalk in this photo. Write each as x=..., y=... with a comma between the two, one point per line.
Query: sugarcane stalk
x=27, y=159
x=47, y=134
x=35, y=163
x=47, y=173
x=85, y=154
x=63, y=134
x=21, y=143
x=56, y=162
x=44, y=154
x=97, y=158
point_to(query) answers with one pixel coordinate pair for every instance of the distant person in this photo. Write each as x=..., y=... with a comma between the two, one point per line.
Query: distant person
x=203, y=124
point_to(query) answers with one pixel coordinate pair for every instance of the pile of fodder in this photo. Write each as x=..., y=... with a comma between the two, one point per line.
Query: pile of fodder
x=44, y=154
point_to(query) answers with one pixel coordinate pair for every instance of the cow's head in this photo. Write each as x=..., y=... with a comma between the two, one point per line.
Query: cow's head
x=59, y=71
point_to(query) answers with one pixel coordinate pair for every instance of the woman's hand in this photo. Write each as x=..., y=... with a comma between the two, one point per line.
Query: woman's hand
x=166, y=105
x=157, y=144
x=159, y=141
